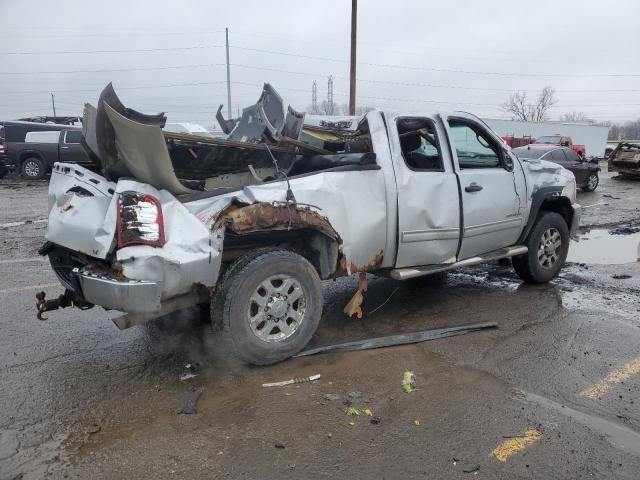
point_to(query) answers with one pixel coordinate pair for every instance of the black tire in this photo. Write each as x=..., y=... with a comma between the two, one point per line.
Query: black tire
x=592, y=182
x=258, y=309
x=3, y=171
x=540, y=266
x=33, y=168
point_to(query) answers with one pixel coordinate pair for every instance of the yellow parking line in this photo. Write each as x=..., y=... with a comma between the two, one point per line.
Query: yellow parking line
x=29, y=287
x=513, y=445
x=616, y=376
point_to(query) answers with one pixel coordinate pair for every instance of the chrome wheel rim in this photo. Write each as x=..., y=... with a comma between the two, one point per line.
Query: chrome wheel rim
x=32, y=169
x=549, y=248
x=276, y=308
x=593, y=182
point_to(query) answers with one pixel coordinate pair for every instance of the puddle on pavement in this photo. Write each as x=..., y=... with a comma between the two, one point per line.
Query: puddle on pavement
x=601, y=247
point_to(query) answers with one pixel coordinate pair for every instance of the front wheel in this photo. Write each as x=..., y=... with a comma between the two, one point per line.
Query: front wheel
x=272, y=306
x=33, y=168
x=592, y=183
x=548, y=245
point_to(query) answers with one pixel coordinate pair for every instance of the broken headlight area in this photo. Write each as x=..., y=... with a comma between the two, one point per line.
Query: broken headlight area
x=140, y=220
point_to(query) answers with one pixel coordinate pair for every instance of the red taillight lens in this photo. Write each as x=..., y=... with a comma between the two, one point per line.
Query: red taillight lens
x=5, y=148
x=140, y=220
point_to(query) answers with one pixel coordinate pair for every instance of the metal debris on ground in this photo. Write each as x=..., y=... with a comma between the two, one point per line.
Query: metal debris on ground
x=408, y=382
x=375, y=420
x=292, y=381
x=621, y=276
x=354, y=307
x=400, y=339
x=187, y=376
x=191, y=406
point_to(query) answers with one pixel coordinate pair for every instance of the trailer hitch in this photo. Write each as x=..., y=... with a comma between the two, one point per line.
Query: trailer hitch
x=43, y=305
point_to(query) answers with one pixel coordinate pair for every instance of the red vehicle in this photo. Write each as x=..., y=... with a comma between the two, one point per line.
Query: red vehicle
x=515, y=142
x=561, y=141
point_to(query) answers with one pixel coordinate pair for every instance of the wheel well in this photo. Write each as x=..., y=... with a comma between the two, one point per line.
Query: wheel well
x=317, y=247
x=560, y=205
x=27, y=155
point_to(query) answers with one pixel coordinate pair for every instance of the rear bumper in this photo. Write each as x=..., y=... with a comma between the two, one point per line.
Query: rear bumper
x=131, y=296
x=575, y=222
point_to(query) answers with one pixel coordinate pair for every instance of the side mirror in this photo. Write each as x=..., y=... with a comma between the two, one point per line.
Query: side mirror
x=507, y=161
x=565, y=144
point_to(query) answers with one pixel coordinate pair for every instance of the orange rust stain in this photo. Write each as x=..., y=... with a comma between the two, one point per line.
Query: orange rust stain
x=373, y=264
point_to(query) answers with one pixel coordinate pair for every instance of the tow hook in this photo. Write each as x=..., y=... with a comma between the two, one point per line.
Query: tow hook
x=64, y=300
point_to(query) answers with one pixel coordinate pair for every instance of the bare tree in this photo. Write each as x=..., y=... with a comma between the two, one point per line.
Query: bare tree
x=575, y=117
x=521, y=109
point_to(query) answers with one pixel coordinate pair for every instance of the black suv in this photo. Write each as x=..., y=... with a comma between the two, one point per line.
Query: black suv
x=33, y=148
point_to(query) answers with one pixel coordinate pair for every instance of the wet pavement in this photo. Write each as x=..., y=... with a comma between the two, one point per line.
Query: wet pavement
x=551, y=393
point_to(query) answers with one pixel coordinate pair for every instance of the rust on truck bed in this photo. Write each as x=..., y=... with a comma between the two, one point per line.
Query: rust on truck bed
x=247, y=218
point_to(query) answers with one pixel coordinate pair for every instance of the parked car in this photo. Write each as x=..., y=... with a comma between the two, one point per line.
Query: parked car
x=514, y=141
x=560, y=141
x=32, y=148
x=4, y=162
x=625, y=159
x=586, y=173
x=415, y=195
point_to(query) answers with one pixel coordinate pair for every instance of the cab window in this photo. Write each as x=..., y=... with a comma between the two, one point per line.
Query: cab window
x=72, y=136
x=474, y=147
x=419, y=144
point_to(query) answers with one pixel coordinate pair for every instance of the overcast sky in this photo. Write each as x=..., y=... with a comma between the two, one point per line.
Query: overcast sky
x=168, y=55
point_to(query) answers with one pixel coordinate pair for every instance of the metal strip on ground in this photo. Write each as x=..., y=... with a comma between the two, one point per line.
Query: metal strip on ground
x=401, y=339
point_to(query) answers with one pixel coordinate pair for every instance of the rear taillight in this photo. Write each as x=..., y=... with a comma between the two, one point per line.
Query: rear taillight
x=5, y=148
x=140, y=220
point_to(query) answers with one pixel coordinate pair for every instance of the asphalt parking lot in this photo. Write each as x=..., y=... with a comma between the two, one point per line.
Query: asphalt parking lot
x=551, y=393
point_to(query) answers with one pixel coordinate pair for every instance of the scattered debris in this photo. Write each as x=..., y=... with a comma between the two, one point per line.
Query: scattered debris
x=187, y=376
x=606, y=195
x=352, y=424
x=355, y=394
x=292, y=381
x=473, y=469
x=353, y=411
x=385, y=302
x=408, y=382
x=375, y=420
x=401, y=339
x=331, y=396
x=624, y=230
x=416, y=423
x=280, y=445
x=621, y=276
x=367, y=412
x=191, y=407
x=514, y=444
x=354, y=307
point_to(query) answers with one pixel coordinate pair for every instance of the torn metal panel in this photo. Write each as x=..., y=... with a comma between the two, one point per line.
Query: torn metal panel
x=270, y=216
x=226, y=125
x=143, y=150
x=112, y=167
x=265, y=117
x=293, y=124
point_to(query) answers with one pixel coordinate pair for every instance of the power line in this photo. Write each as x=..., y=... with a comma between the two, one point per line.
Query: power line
x=132, y=69
x=74, y=52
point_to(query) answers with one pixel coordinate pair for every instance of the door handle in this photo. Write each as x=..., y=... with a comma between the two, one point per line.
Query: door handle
x=473, y=187
x=63, y=148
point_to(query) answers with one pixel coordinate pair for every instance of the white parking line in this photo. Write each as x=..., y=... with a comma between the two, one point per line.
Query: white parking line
x=16, y=224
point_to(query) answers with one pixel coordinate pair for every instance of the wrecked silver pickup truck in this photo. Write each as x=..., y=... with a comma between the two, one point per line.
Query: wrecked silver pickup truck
x=251, y=223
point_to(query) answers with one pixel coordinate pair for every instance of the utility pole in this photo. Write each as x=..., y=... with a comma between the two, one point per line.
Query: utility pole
x=330, y=95
x=53, y=102
x=314, y=97
x=229, y=114
x=352, y=75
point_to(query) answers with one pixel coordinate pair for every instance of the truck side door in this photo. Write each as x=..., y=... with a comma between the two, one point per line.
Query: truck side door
x=71, y=150
x=428, y=195
x=492, y=184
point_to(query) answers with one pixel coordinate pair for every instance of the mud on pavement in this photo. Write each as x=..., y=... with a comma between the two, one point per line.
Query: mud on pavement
x=551, y=393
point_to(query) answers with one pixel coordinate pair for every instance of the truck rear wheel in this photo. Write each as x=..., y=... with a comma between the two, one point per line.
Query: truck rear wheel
x=33, y=168
x=548, y=244
x=271, y=306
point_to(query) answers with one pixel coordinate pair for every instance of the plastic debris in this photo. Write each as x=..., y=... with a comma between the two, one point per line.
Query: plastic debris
x=352, y=411
x=187, y=376
x=292, y=381
x=352, y=423
x=280, y=445
x=375, y=420
x=367, y=412
x=416, y=423
x=408, y=382
x=354, y=307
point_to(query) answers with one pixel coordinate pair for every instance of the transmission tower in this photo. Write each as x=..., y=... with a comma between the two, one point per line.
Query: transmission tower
x=330, y=95
x=314, y=97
